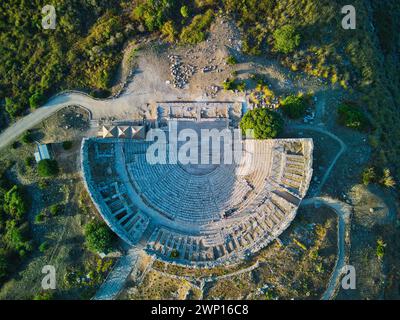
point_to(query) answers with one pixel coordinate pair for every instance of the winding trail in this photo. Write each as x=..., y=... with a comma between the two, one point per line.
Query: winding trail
x=343, y=212
x=343, y=148
x=53, y=105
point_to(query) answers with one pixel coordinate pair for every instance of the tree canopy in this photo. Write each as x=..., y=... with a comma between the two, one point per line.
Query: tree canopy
x=47, y=168
x=265, y=123
x=294, y=106
x=14, y=203
x=99, y=237
x=286, y=39
x=351, y=116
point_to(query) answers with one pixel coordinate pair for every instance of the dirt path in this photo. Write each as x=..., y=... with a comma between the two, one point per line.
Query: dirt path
x=343, y=148
x=343, y=212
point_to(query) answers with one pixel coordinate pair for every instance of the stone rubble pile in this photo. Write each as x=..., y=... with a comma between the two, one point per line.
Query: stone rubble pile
x=180, y=72
x=209, y=68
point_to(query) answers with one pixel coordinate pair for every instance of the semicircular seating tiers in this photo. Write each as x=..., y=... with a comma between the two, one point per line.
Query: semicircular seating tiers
x=193, y=218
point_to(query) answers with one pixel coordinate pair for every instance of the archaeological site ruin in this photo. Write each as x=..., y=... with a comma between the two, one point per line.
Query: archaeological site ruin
x=195, y=214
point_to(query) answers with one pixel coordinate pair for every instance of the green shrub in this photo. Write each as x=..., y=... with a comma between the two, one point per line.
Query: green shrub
x=169, y=31
x=55, y=209
x=27, y=137
x=368, y=176
x=99, y=237
x=231, y=60
x=45, y=295
x=234, y=85
x=294, y=106
x=265, y=123
x=155, y=13
x=43, y=246
x=35, y=100
x=15, y=238
x=13, y=108
x=185, y=11
x=380, y=248
x=29, y=161
x=352, y=117
x=14, y=203
x=42, y=184
x=286, y=39
x=228, y=84
x=47, y=168
x=40, y=217
x=387, y=180
x=67, y=145
x=195, y=31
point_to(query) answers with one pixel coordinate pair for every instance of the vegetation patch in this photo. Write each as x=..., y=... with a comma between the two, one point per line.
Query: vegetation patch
x=351, y=116
x=99, y=237
x=47, y=168
x=266, y=124
x=234, y=85
x=195, y=32
x=294, y=106
x=286, y=39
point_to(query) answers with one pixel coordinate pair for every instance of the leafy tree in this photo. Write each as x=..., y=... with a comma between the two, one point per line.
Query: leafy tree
x=47, y=168
x=294, y=106
x=14, y=203
x=99, y=238
x=195, y=31
x=204, y=3
x=286, y=39
x=265, y=123
x=35, y=100
x=15, y=238
x=154, y=13
x=387, y=179
x=27, y=137
x=12, y=108
x=169, y=31
x=368, y=176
